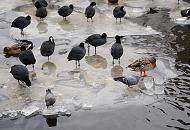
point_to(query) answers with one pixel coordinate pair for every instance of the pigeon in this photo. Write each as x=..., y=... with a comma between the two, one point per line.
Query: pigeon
x=49, y=98
x=128, y=80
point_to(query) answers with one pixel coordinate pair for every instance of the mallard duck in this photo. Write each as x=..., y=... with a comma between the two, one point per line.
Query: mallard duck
x=113, y=1
x=143, y=64
x=15, y=49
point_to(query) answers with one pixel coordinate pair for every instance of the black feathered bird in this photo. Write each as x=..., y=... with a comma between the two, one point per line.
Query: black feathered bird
x=21, y=73
x=41, y=2
x=48, y=47
x=117, y=49
x=119, y=12
x=49, y=98
x=41, y=11
x=90, y=11
x=21, y=23
x=77, y=53
x=185, y=13
x=96, y=40
x=27, y=57
x=65, y=11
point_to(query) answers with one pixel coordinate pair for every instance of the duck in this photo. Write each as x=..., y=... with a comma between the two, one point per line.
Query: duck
x=41, y=11
x=15, y=49
x=113, y=1
x=128, y=80
x=90, y=11
x=41, y=2
x=119, y=12
x=143, y=64
x=21, y=23
x=27, y=57
x=48, y=47
x=96, y=40
x=117, y=49
x=49, y=98
x=185, y=13
x=65, y=11
x=21, y=73
x=77, y=53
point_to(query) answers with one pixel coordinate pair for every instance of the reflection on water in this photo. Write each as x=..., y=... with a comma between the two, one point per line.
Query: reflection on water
x=96, y=61
x=117, y=71
x=49, y=68
x=51, y=122
x=42, y=27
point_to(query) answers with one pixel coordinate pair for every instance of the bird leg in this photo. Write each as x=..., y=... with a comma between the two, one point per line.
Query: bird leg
x=48, y=58
x=19, y=82
x=78, y=63
x=116, y=20
x=113, y=61
x=120, y=20
x=88, y=48
x=119, y=61
x=145, y=74
x=33, y=67
x=22, y=32
x=91, y=19
x=95, y=50
x=65, y=19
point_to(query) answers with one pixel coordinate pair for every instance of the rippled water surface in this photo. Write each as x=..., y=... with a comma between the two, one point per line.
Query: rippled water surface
x=95, y=100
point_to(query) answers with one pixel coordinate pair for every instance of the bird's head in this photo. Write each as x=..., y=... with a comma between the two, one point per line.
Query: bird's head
x=153, y=61
x=38, y=5
x=28, y=83
x=122, y=8
x=48, y=90
x=51, y=39
x=93, y=4
x=82, y=44
x=7, y=49
x=117, y=38
x=28, y=17
x=22, y=48
x=104, y=35
x=71, y=6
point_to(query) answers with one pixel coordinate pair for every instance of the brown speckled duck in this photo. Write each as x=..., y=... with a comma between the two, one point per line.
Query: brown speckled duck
x=15, y=50
x=143, y=64
x=113, y=1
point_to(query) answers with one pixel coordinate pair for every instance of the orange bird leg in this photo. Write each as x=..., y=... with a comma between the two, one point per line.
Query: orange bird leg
x=145, y=74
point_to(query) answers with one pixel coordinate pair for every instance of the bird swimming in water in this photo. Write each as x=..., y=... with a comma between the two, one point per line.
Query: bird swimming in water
x=77, y=53
x=96, y=40
x=90, y=11
x=49, y=98
x=41, y=2
x=48, y=47
x=21, y=23
x=21, y=73
x=41, y=11
x=119, y=12
x=143, y=64
x=27, y=57
x=128, y=80
x=65, y=11
x=185, y=13
x=117, y=49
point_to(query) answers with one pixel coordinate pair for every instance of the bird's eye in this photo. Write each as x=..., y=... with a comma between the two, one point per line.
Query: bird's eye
x=142, y=66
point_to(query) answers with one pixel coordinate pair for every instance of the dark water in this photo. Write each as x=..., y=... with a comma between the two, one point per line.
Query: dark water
x=172, y=111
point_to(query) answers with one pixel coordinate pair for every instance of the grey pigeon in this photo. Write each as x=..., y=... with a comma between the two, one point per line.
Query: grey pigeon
x=119, y=12
x=65, y=11
x=48, y=47
x=21, y=73
x=117, y=49
x=27, y=57
x=77, y=53
x=49, y=98
x=96, y=40
x=90, y=11
x=21, y=23
x=128, y=80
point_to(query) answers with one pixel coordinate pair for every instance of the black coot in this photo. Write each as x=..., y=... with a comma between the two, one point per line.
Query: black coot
x=41, y=11
x=21, y=73
x=27, y=57
x=117, y=49
x=65, y=11
x=185, y=13
x=49, y=98
x=21, y=23
x=77, y=53
x=119, y=12
x=90, y=11
x=96, y=40
x=48, y=47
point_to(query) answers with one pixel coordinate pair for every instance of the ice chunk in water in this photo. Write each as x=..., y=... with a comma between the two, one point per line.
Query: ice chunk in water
x=146, y=82
x=30, y=111
x=1, y=116
x=13, y=115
